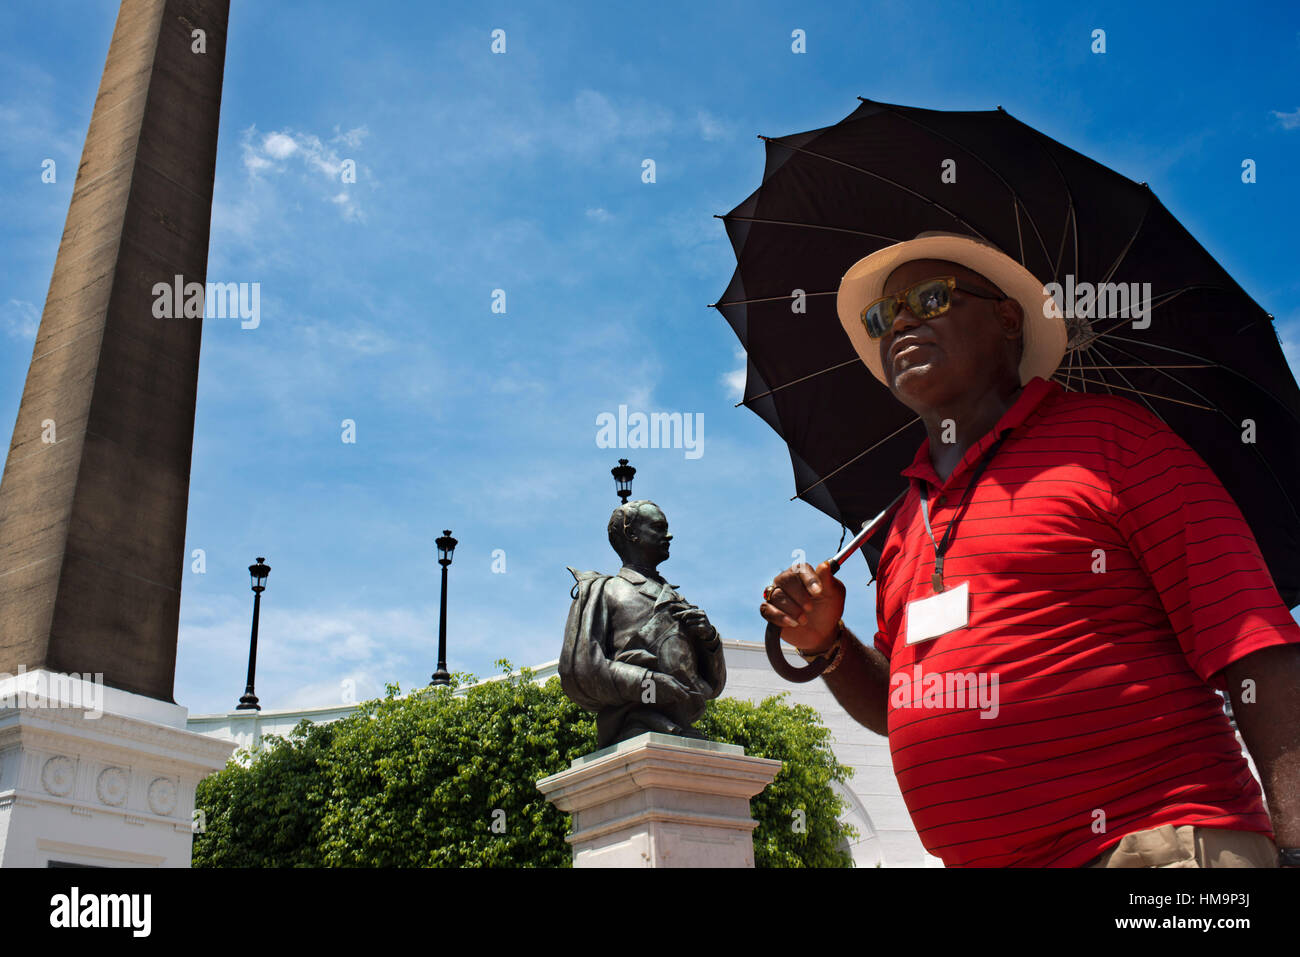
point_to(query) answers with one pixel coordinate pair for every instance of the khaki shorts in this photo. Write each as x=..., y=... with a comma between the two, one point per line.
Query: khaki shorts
x=1190, y=846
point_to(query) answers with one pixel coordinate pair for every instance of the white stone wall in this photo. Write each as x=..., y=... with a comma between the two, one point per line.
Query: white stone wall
x=880, y=816
x=101, y=787
x=245, y=728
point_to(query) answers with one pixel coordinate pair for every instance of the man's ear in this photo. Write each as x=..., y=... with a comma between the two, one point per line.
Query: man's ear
x=1012, y=316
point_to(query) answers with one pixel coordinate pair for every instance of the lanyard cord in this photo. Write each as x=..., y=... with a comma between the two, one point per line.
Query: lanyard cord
x=940, y=548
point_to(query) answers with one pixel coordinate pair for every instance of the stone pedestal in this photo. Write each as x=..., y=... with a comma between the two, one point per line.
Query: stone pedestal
x=658, y=800
x=96, y=776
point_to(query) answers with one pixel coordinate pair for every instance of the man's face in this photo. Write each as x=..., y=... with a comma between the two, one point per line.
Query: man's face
x=652, y=530
x=945, y=357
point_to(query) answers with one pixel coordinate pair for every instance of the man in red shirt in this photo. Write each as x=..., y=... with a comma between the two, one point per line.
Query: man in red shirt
x=1061, y=590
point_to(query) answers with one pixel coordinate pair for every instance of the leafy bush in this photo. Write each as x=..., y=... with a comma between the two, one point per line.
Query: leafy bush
x=798, y=813
x=267, y=814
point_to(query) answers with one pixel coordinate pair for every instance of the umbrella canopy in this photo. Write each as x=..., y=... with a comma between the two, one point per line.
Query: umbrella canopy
x=1206, y=359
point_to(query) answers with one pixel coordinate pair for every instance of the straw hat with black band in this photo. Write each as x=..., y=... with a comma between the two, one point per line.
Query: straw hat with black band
x=1043, y=330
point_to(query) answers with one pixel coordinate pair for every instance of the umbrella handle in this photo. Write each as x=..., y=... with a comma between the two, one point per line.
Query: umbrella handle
x=772, y=637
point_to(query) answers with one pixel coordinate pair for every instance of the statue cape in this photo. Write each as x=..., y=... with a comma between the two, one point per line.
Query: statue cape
x=584, y=665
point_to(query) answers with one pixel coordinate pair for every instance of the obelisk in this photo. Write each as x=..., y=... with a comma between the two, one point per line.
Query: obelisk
x=96, y=484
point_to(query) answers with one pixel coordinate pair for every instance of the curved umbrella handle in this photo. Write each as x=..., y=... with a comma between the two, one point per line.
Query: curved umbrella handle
x=772, y=637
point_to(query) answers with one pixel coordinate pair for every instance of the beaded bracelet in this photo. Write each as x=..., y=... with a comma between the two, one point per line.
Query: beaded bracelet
x=834, y=654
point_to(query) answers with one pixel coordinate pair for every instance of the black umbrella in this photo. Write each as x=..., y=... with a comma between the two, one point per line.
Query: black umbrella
x=1208, y=360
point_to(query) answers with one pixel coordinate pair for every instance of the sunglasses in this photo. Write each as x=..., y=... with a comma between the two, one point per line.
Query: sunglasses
x=926, y=299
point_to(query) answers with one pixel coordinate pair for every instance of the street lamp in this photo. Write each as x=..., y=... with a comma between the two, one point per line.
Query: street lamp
x=446, y=546
x=257, y=573
x=623, y=479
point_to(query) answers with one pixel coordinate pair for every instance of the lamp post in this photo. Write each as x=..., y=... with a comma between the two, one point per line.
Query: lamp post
x=623, y=479
x=446, y=546
x=257, y=573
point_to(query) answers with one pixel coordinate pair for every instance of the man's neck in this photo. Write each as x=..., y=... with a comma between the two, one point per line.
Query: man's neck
x=970, y=418
x=649, y=571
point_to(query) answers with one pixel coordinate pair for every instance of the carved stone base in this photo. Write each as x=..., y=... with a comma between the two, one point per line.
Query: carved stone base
x=658, y=800
x=114, y=789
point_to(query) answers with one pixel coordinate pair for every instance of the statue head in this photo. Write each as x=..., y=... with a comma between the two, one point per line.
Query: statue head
x=638, y=531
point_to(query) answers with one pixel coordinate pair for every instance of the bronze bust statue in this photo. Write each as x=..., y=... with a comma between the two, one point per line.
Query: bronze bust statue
x=635, y=651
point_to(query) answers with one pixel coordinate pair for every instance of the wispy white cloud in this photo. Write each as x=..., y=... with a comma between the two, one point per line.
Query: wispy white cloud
x=318, y=162
x=476, y=130
x=358, y=338
x=351, y=138
x=276, y=145
x=735, y=379
x=704, y=241
x=712, y=128
x=313, y=658
x=21, y=320
x=341, y=643
x=28, y=120
x=309, y=361
x=1289, y=121
x=352, y=688
x=593, y=119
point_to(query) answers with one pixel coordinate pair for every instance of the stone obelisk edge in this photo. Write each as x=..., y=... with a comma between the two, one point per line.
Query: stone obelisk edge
x=658, y=800
x=92, y=525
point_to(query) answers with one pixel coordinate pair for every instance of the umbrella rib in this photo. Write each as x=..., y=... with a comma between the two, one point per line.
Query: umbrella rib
x=1150, y=365
x=1074, y=225
x=1142, y=395
x=1071, y=221
x=883, y=179
x=1069, y=371
x=1129, y=245
x=1109, y=386
x=841, y=468
x=1192, y=355
x=1155, y=302
x=811, y=375
x=750, y=302
x=1174, y=379
x=782, y=222
x=1069, y=218
x=1260, y=455
x=1093, y=355
x=1167, y=297
x=1020, y=239
x=984, y=163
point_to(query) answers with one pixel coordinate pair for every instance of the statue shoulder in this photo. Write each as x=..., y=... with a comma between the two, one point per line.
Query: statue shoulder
x=618, y=587
x=583, y=581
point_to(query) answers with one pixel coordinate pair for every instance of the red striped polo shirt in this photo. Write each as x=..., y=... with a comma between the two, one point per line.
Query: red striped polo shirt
x=1111, y=579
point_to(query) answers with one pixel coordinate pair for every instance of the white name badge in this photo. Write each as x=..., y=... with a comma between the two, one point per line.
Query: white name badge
x=931, y=617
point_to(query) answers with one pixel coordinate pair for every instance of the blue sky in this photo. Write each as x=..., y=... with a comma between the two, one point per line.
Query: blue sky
x=522, y=171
